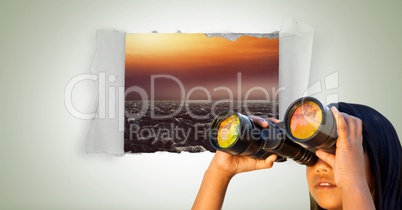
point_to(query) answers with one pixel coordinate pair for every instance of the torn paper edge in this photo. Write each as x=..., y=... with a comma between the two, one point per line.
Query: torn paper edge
x=235, y=36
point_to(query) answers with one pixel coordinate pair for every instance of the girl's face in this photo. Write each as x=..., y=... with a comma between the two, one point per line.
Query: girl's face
x=322, y=187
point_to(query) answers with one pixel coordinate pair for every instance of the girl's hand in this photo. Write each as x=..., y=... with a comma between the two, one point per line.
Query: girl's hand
x=348, y=163
x=231, y=165
x=222, y=168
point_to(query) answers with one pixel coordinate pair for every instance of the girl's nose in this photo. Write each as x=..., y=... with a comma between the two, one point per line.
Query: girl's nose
x=322, y=167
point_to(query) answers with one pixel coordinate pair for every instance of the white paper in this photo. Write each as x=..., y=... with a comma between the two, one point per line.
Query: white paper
x=295, y=48
x=108, y=65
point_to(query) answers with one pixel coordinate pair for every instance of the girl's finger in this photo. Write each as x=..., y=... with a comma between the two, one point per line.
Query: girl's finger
x=267, y=163
x=354, y=125
x=326, y=157
x=259, y=121
x=341, y=125
x=274, y=120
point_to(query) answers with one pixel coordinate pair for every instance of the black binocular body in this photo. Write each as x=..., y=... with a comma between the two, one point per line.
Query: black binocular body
x=308, y=125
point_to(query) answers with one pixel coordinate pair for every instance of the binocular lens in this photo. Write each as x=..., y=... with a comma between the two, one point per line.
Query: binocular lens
x=233, y=133
x=228, y=131
x=311, y=124
x=306, y=120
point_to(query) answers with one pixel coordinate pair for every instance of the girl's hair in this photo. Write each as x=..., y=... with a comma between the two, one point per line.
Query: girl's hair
x=381, y=143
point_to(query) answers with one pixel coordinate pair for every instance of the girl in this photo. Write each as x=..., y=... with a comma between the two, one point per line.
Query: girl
x=365, y=173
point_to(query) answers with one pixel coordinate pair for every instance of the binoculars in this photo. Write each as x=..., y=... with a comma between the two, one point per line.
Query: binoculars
x=308, y=125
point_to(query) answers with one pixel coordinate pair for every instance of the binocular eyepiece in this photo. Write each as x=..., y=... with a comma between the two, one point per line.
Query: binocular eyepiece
x=308, y=125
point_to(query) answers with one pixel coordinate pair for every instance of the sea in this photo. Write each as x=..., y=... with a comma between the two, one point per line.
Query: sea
x=181, y=126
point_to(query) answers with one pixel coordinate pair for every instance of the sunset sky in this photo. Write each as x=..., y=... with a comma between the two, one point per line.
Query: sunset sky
x=198, y=61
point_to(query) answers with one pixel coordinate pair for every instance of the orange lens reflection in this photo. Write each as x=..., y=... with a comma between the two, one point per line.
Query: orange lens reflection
x=228, y=131
x=306, y=120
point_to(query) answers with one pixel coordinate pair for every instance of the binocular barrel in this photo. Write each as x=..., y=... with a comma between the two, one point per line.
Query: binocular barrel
x=308, y=126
